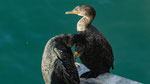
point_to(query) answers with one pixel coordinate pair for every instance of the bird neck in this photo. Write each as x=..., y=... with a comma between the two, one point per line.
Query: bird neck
x=84, y=23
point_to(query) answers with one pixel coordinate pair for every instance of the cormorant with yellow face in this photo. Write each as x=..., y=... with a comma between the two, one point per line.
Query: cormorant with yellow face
x=95, y=52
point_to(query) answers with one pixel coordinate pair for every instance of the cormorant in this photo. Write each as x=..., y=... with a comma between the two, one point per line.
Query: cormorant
x=58, y=63
x=95, y=53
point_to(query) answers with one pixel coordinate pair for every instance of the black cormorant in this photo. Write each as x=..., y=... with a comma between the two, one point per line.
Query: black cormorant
x=58, y=63
x=95, y=53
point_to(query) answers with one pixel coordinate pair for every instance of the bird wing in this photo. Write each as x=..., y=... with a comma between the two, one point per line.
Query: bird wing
x=64, y=67
x=105, y=45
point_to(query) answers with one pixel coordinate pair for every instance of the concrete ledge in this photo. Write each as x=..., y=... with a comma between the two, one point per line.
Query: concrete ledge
x=106, y=78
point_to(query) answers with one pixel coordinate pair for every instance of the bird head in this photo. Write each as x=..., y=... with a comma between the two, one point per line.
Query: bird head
x=83, y=10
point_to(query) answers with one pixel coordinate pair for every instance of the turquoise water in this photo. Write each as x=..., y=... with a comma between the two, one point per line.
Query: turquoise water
x=26, y=26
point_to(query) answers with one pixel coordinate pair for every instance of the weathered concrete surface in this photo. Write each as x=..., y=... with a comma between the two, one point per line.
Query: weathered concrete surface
x=106, y=78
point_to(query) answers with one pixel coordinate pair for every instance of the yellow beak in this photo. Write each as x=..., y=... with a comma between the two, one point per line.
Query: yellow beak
x=72, y=12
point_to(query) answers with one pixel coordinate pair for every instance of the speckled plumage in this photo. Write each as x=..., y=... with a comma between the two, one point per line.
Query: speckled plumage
x=94, y=51
x=57, y=63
